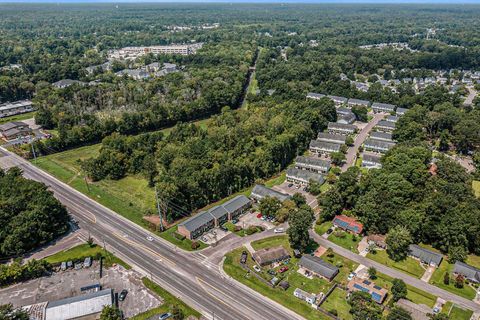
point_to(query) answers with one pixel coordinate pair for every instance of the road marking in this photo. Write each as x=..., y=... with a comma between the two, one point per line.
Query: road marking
x=200, y=281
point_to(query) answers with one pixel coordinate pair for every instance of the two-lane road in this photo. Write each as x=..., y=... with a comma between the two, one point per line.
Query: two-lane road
x=200, y=285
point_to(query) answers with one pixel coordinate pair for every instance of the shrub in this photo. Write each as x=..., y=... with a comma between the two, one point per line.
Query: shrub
x=340, y=234
x=251, y=230
x=237, y=228
x=333, y=312
x=195, y=245
x=179, y=236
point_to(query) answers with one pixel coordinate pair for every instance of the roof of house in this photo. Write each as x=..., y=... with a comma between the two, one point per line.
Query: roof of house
x=304, y=175
x=371, y=158
x=378, y=135
x=304, y=295
x=340, y=99
x=79, y=306
x=236, y=203
x=318, y=265
x=386, y=106
x=401, y=110
x=343, y=110
x=328, y=137
x=15, y=105
x=11, y=125
x=268, y=255
x=378, y=293
x=65, y=82
x=391, y=118
x=315, y=95
x=385, y=123
x=197, y=221
x=313, y=162
x=359, y=101
x=218, y=212
x=377, y=238
x=425, y=255
x=347, y=118
x=378, y=144
x=468, y=271
x=348, y=223
x=417, y=311
x=260, y=191
x=335, y=147
x=336, y=125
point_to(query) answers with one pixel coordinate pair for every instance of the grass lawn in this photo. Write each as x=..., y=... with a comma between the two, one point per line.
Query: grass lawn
x=325, y=187
x=358, y=162
x=296, y=280
x=18, y=117
x=169, y=301
x=344, y=239
x=337, y=300
x=185, y=244
x=275, y=181
x=80, y=252
x=473, y=260
x=460, y=314
x=322, y=228
x=437, y=280
x=476, y=188
x=409, y=265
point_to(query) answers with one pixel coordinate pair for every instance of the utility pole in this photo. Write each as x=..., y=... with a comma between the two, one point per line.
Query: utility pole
x=86, y=183
x=34, y=154
x=159, y=209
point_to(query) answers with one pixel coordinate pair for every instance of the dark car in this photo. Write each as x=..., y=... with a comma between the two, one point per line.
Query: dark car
x=223, y=228
x=271, y=272
x=243, y=259
x=122, y=295
x=329, y=231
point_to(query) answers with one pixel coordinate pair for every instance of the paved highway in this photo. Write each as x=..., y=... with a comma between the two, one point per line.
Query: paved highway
x=200, y=285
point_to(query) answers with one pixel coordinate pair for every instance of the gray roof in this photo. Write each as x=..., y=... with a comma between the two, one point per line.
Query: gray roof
x=218, y=212
x=236, y=203
x=425, y=255
x=304, y=175
x=343, y=110
x=371, y=158
x=11, y=125
x=338, y=99
x=328, y=137
x=336, y=125
x=65, y=82
x=197, y=221
x=79, y=306
x=401, y=111
x=386, y=124
x=319, y=266
x=15, y=105
x=384, y=136
x=260, y=191
x=378, y=144
x=347, y=118
x=391, y=118
x=327, y=146
x=314, y=95
x=468, y=271
x=313, y=162
x=359, y=102
x=383, y=106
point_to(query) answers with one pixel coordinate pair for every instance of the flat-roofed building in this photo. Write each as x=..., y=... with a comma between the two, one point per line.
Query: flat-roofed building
x=338, y=101
x=425, y=256
x=260, y=191
x=312, y=164
x=382, y=136
x=270, y=255
x=331, y=138
x=377, y=145
x=318, y=267
x=340, y=128
x=316, y=96
x=378, y=293
x=13, y=108
x=371, y=161
x=87, y=306
x=135, y=52
x=385, y=126
x=303, y=177
x=358, y=102
x=321, y=147
x=383, y=107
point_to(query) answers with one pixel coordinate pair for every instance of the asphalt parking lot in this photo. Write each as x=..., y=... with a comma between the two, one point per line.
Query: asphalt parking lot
x=311, y=199
x=214, y=236
x=250, y=219
x=66, y=284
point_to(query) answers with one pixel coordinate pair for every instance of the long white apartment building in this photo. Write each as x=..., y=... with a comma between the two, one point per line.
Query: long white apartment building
x=135, y=52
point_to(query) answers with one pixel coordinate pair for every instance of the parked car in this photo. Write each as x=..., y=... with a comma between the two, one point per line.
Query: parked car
x=351, y=276
x=63, y=266
x=279, y=230
x=329, y=230
x=123, y=295
x=69, y=264
x=283, y=269
x=78, y=266
x=259, y=216
x=290, y=185
x=204, y=239
x=243, y=258
x=274, y=281
x=165, y=316
x=257, y=268
x=234, y=221
x=87, y=262
x=271, y=272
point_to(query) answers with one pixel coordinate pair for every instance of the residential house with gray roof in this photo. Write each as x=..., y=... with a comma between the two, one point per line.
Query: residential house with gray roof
x=390, y=118
x=377, y=145
x=260, y=191
x=318, y=267
x=383, y=136
x=312, y=164
x=357, y=102
x=425, y=256
x=385, y=126
x=316, y=96
x=401, y=111
x=371, y=161
x=348, y=118
x=331, y=138
x=470, y=273
x=338, y=101
x=340, y=128
x=322, y=147
x=303, y=177
x=383, y=107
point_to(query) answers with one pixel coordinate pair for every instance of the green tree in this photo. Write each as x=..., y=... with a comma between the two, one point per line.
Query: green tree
x=337, y=158
x=397, y=313
x=363, y=307
x=399, y=289
x=177, y=313
x=372, y=273
x=457, y=253
x=269, y=206
x=398, y=242
x=110, y=313
x=446, y=278
x=7, y=312
x=299, y=223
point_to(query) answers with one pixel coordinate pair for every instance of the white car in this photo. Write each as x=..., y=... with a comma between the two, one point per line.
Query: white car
x=257, y=268
x=279, y=230
x=150, y=238
x=351, y=276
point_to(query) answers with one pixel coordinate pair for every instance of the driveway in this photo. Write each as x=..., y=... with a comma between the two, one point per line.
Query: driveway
x=284, y=188
x=351, y=155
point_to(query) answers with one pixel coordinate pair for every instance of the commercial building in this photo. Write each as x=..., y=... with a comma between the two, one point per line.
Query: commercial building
x=87, y=306
x=305, y=296
x=378, y=293
x=383, y=107
x=331, y=138
x=321, y=147
x=303, y=177
x=13, y=130
x=312, y=164
x=382, y=136
x=260, y=191
x=200, y=223
x=377, y=145
x=371, y=161
x=338, y=101
x=270, y=255
x=316, y=96
x=470, y=273
x=340, y=128
x=425, y=256
x=385, y=126
x=318, y=267
x=13, y=108
x=358, y=102
x=135, y=52
x=348, y=224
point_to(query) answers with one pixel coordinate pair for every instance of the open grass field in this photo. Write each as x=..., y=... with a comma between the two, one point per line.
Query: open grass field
x=337, y=300
x=437, y=280
x=322, y=228
x=346, y=240
x=19, y=117
x=409, y=265
x=80, y=252
x=476, y=188
x=185, y=244
x=169, y=301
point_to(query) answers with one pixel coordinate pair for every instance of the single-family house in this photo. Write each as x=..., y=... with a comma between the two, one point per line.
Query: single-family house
x=425, y=256
x=378, y=293
x=270, y=255
x=312, y=164
x=417, y=311
x=318, y=267
x=65, y=83
x=378, y=240
x=305, y=296
x=303, y=177
x=348, y=224
x=470, y=273
x=260, y=191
